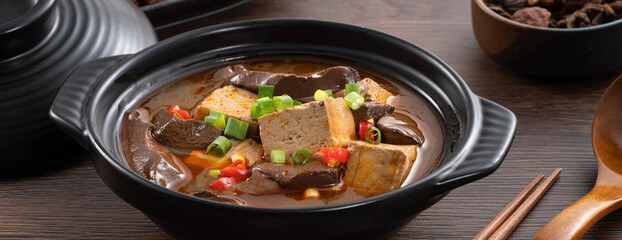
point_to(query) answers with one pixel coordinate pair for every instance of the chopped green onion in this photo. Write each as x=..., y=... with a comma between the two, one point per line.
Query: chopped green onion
x=265, y=91
x=255, y=111
x=215, y=173
x=305, y=153
x=297, y=103
x=283, y=102
x=373, y=129
x=277, y=156
x=354, y=100
x=219, y=147
x=216, y=119
x=319, y=95
x=236, y=129
x=266, y=105
x=353, y=87
x=329, y=92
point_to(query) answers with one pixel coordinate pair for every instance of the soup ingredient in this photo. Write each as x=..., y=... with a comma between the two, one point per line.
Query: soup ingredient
x=306, y=157
x=311, y=193
x=372, y=110
x=265, y=105
x=370, y=90
x=277, y=156
x=223, y=199
x=377, y=168
x=222, y=184
x=148, y=158
x=319, y=95
x=255, y=112
x=233, y=102
x=353, y=87
x=400, y=129
x=236, y=171
x=534, y=16
x=236, y=129
x=215, y=173
x=363, y=126
x=354, y=100
x=177, y=111
x=200, y=159
x=283, y=102
x=175, y=132
x=219, y=147
x=311, y=126
x=313, y=174
x=370, y=133
x=296, y=86
x=259, y=184
x=265, y=91
x=216, y=119
x=333, y=157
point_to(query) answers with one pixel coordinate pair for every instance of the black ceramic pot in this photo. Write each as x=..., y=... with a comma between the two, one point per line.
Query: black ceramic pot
x=41, y=42
x=479, y=132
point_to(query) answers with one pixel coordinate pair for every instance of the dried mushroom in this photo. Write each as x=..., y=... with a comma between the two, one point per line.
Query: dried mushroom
x=558, y=13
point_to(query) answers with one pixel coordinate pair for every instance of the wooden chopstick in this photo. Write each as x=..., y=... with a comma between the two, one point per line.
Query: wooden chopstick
x=517, y=216
x=507, y=211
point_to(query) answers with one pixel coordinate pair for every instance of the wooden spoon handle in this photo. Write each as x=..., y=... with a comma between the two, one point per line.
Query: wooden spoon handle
x=576, y=219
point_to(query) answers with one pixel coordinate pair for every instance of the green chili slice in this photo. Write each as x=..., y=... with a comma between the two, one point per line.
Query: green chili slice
x=215, y=173
x=354, y=100
x=277, y=156
x=305, y=153
x=265, y=91
x=219, y=147
x=373, y=129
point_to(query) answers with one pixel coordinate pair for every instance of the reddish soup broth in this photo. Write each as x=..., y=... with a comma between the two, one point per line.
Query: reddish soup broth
x=191, y=91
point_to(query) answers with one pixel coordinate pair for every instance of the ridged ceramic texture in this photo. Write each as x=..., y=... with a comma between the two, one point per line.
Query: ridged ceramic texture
x=80, y=31
x=174, y=12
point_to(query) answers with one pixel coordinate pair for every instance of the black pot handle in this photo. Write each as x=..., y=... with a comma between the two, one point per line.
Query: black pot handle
x=493, y=143
x=67, y=110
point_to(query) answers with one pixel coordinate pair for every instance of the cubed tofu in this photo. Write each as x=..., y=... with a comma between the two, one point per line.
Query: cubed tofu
x=311, y=126
x=374, y=169
x=233, y=102
x=370, y=90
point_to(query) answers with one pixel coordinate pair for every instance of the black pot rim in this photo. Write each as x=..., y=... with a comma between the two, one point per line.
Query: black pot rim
x=159, y=48
x=27, y=19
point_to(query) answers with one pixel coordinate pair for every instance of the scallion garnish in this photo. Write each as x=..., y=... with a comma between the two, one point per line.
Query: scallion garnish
x=373, y=129
x=215, y=173
x=219, y=147
x=277, y=156
x=329, y=92
x=255, y=111
x=319, y=95
x=305, y=160
x=265, y=91
x=216, y=119
x=297, y=103
x=236, y=129
x=353, y=87
x=266, y=105
x=354, y=100
x=283, y=102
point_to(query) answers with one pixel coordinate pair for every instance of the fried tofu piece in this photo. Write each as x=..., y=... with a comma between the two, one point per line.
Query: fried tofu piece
x=370, y=90
x=374, y=169
x=311, y=126
x=233, y=102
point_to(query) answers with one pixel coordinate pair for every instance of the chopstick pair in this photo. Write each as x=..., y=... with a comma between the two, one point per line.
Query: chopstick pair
x=508, y=219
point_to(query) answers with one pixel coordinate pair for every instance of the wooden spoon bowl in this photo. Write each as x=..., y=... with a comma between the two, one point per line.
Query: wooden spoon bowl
x=606, y=195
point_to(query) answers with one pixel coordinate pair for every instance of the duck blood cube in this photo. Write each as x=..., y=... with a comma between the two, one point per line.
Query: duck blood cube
x=373, y=169
x=311, y=126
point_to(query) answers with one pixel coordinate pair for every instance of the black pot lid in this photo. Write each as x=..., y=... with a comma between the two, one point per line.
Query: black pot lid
x=41, y=42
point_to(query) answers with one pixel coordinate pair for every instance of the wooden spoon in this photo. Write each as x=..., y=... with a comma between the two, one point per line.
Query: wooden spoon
x=606, y=196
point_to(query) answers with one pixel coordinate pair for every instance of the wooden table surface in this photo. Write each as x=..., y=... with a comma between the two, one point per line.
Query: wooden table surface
x=66, y=198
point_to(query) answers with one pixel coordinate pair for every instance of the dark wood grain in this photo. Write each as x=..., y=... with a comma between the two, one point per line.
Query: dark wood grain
x=66, y=199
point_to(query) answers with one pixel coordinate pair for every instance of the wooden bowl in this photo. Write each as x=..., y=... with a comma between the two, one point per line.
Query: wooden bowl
x=548, y=52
